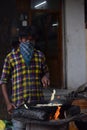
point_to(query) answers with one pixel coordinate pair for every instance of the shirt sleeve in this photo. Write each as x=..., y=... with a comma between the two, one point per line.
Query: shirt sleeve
x=5, y=72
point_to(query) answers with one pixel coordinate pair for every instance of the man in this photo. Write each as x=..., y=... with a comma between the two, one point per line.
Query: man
x=29, y=74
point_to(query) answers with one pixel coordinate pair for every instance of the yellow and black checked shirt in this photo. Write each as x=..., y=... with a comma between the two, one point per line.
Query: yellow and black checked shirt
x=26, y=81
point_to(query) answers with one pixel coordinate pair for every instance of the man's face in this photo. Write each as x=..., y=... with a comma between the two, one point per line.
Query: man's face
x=23, y=39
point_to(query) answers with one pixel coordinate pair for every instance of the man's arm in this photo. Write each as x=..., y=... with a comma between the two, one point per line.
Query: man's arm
x=9, y=105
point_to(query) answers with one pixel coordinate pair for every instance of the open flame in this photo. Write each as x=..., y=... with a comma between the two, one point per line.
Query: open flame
x=56, y=115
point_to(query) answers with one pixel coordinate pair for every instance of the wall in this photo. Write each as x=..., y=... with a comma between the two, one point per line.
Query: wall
x=86, y=48
x=75, y=43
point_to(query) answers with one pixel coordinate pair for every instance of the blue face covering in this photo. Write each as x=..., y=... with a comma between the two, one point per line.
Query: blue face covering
x=27, y=50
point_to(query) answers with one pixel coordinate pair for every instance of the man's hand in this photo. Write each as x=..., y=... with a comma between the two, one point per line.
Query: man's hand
x=10, y=108
x=45, y=81
x=9, y=105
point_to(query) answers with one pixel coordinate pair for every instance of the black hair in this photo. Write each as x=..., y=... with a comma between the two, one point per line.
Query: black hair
x=27, y=31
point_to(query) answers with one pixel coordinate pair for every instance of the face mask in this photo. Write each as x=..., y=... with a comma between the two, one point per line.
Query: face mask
x=27, y=50
x=28, y=44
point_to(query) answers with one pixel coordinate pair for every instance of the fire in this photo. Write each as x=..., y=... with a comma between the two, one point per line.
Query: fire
x=57, y=113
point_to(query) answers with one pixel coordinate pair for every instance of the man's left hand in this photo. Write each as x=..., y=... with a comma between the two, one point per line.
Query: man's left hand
x=45, y=81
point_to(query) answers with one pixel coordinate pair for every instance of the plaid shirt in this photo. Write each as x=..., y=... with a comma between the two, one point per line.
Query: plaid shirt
x=26, y=81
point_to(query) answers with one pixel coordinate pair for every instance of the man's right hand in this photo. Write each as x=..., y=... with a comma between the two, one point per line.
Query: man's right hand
x=10, y=108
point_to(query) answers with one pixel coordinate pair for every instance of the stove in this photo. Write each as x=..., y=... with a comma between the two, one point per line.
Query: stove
x=41, y=122
x=59, y=124
x=46, y=125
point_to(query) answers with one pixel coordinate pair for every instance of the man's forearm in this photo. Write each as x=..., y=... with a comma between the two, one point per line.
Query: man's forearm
x=5, y=94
